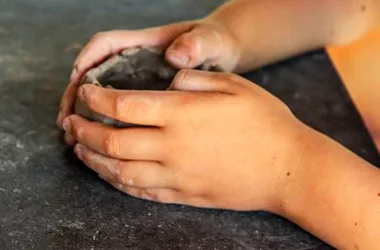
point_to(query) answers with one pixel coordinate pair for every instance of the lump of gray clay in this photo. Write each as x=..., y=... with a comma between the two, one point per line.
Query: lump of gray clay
x=137, y=68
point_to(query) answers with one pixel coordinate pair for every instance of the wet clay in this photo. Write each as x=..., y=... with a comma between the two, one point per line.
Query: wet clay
x=137, y=68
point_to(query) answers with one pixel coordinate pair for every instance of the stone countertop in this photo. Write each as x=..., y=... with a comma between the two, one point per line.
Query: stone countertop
x=49, y=200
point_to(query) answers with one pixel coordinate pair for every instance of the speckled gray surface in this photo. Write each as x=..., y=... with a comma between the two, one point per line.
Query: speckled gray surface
x=48, y=200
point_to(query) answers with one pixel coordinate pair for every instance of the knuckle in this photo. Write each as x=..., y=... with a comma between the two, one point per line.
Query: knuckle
x=122, y=107
x=79, y=132
x=118, y=173
x=156, y=195
x=111, y=145
x=99, y=36
x=144, y=194
x=86, y=156
x=103, y=41
x=181, y=76
x=119, y=187
x=132, y=192
x=126, y=175
x=188, y=40
x=192, y=42
x=152, y=194
x=78, y=65
x=130, y=107
x=100, y=41
x=165, y=198
x=138, y=181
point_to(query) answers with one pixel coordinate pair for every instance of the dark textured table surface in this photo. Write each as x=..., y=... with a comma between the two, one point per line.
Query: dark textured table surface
x=48, y=200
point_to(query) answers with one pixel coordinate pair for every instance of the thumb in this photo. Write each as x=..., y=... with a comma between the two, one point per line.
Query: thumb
x=205, y=81
x=200, y=44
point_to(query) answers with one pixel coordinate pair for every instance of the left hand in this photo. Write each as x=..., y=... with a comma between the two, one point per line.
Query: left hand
x=219, y=142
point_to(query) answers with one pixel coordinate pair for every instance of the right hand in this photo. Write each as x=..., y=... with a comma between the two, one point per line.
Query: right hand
x=184, y=153
x=188, y=45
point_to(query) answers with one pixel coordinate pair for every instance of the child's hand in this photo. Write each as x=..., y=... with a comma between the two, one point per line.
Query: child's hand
x=189, y=45
x=220, y=142
x=223, y=142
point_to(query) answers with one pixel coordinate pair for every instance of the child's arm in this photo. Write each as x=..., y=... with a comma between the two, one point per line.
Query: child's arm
x=303, y=176
x=238, y=36
x=335, y=195
x=272, y=30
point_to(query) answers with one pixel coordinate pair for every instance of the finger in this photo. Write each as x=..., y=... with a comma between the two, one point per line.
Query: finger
x=69, y=139
x=161, y=195
x=129, y=144
x=149, y=108
x=138, y=174
x=105, y=44
x=198, y=80
x=202, y=43
x=164, y=195
x=67, y=103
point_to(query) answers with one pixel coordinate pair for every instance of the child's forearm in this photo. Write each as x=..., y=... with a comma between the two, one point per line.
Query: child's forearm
x=336, y=196
x=272, y=30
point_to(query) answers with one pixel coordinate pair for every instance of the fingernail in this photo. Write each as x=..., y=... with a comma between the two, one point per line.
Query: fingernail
x=179, y=55
x=78, y=149
x=67, y=125
x=73, y=74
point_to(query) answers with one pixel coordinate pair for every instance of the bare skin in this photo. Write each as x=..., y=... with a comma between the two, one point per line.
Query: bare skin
x=189, y=156
x=272, y=30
